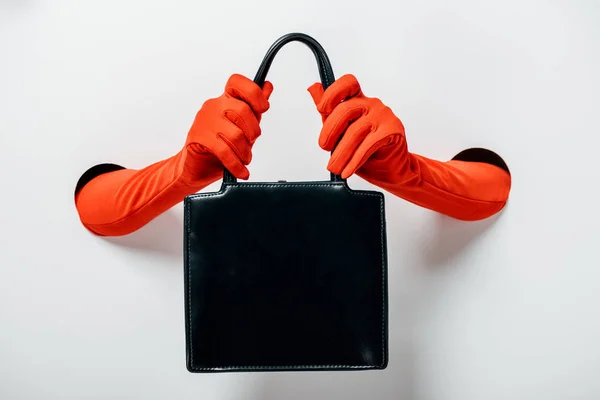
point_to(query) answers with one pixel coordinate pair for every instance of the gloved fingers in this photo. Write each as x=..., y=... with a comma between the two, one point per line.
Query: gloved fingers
x=241, y=115
x=225, y=152
x=237, y=141
x=316, y=92
x=267, y=89
x=344, y=88
x=367, y=148
x=242, y=88
x=356, y=133
x=336, y=124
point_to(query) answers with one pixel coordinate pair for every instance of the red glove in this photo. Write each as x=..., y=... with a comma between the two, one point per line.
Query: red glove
x=372, y=144
x=114, y=201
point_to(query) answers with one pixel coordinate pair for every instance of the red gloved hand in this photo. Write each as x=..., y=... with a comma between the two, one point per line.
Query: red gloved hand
x=372, y=144
x=112, y=200
x=228, y=126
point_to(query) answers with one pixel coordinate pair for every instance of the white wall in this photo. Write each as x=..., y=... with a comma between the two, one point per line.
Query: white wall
x=506, y=308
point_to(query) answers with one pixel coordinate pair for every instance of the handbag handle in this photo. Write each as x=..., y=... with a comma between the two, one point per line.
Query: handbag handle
x=325, y=72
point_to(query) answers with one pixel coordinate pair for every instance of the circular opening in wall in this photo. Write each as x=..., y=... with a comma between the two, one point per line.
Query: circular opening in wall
x=477, y=154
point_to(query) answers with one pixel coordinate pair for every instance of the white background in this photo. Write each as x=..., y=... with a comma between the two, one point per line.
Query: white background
x=506, y=308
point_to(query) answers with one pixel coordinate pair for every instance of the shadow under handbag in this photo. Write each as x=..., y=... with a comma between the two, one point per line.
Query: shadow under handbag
x=286, y=275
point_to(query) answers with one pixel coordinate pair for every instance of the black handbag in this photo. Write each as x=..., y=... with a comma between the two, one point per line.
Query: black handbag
x=286, y=275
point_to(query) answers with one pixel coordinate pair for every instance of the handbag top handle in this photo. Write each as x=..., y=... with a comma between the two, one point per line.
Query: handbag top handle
x=325, y=72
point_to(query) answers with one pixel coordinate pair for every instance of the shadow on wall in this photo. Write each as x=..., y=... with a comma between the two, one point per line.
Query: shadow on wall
x=391, y=384
x=444, y=241
x=15, y=5
x=450, y=237
x=163, y=235
x=394, y=383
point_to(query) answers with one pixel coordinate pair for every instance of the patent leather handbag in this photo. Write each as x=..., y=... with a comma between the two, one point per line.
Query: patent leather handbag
x=286, y=275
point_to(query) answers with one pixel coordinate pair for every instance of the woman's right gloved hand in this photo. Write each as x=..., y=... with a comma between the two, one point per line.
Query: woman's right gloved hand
x=112, y=200
x=369, y=140
x=227, y=127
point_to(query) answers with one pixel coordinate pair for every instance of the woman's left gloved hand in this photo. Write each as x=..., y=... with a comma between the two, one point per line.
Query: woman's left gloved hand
x=368, y=139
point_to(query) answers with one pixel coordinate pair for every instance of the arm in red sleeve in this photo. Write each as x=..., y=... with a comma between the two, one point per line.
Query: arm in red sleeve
x=369, y=140
x=112, y=200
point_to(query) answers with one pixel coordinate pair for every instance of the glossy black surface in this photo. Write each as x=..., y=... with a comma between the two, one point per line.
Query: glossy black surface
x=285, y=276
